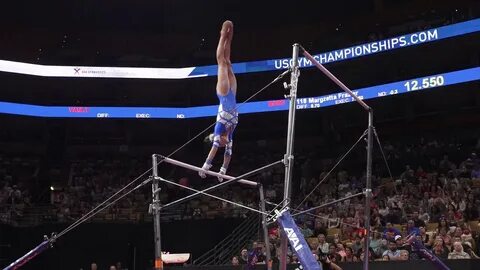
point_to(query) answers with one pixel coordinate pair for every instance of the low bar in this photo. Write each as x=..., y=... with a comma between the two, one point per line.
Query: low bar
x=198, y=169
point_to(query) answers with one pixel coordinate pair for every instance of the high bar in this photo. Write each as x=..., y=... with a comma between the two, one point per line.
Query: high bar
x=335, y=79
x=198, y=169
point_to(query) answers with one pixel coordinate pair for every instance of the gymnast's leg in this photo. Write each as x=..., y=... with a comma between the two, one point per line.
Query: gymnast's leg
x=227, y=156
x=223, y=51
x=227, y=50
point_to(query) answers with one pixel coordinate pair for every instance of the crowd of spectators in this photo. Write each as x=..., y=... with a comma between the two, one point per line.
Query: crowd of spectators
x=435, y=197
x=88, y=182
x=17, y=179
x=434, y=193
x=444, y=172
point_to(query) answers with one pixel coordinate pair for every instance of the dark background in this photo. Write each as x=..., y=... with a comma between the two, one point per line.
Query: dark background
x=107, y=243
x=179, y=33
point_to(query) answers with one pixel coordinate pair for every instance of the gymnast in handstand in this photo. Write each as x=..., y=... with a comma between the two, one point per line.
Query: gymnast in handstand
x=227, y=116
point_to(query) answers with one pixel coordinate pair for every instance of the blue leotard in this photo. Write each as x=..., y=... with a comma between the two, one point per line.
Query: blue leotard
x=227, y=116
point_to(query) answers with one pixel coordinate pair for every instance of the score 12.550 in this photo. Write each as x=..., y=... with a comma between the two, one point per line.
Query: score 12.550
x=424, y=83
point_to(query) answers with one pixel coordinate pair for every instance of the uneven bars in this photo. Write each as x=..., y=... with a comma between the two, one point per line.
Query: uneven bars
x=198, y=169
x=335, y=79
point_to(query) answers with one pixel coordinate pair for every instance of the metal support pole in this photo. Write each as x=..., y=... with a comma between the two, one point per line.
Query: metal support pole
x=31, y=254
x=155, y=206
x=265, y=229
x=368, y=189
x=289, y=152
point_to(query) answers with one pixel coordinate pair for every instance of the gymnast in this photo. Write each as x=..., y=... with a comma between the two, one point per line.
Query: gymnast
x=227, y=116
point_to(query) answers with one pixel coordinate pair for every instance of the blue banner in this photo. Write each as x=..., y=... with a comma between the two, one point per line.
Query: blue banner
x=351, y=52
x=297, y=241
x=389, y=89
x=417, y=38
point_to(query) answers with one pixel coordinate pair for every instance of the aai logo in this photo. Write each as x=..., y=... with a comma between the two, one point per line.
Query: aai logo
x=292, y=236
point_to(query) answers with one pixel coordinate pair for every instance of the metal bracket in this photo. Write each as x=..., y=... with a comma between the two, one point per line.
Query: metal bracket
x=278, y=213
x=51, y=240
x=287, y=159
x=367, y=192
x=155, y=206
